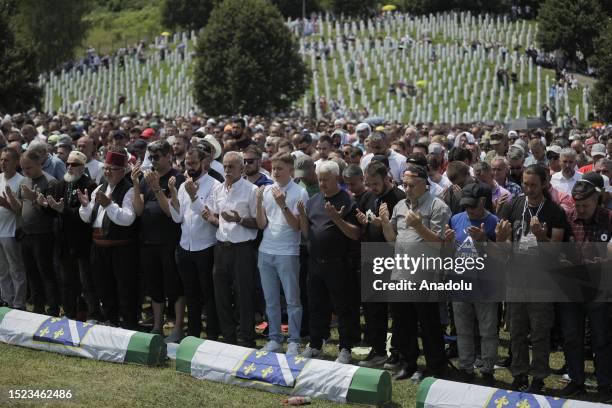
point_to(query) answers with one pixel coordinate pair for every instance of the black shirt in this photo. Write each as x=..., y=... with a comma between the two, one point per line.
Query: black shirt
x=325, y=239
x=520, y=217
x=156, y=227
x=373, y=233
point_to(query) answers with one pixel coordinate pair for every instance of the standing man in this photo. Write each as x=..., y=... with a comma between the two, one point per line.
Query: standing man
x=159, y=236
x=421, y=217
x=328, y=222
x=278, y=259
x=379, y=145
x=568, y=176
x=252, y=167
x=94, y=167
x=528, y=220
x=376, y=313
x=591, y=226
x=110, y=211
x=75, y=238
x=195, y=253
x=234, y=210
x=37, y=226
x=50, y=163
x=12, y=269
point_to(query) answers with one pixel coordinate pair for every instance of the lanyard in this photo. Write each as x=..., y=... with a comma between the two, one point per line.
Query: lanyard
x=525, y=208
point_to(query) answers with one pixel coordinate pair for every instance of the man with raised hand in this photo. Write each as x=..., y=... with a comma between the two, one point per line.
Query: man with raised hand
x=278, y=258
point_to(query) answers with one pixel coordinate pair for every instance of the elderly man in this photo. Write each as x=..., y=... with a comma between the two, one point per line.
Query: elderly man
x=94, y=167
x=278, y=259
x=159, y=236
x=12, y=270
x=568, y=176
x=362, y=131
x=379, y=145
x=421, y=217
x=110, y=211
x=75, y=238
x=499, y=195
x=195, y=253
x=591, y=226
x=37, y=226
x=329, y=223
x=233, y=210
x=51, y=164
x=499, y=168
x=538, y=153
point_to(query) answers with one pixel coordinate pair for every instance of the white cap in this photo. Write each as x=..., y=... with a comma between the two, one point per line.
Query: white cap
x=363, y=126
x=211, y=121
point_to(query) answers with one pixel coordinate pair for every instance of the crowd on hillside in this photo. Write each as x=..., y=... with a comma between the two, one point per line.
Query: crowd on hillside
x=228, y=222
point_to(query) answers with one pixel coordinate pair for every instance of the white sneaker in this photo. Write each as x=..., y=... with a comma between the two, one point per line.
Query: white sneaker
x=273, y=347
x=292, y=349
x=344, y=357
x=310, y=352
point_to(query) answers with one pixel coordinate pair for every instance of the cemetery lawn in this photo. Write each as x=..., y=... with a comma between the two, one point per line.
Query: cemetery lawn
x=102, y=384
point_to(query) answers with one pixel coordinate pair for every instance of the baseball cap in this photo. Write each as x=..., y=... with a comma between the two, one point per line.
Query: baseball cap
x=554, y=149
x=147, y=133
x=414, y=170
x=302, y=165
x=598, y=149
x=363, y=126
x=512, y=134
x=496, y=138
x=472, y=192
x=590, y=184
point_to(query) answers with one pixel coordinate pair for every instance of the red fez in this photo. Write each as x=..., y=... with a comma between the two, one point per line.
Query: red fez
x=115, y=159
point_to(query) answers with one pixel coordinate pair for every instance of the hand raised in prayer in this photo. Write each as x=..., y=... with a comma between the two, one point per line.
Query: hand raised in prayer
x=83, y=197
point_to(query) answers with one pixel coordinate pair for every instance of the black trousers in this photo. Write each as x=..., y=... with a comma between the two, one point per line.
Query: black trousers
x=196, y=270
x=37, y=251
x=376, y=325
x=77, y=279
x=331, y=282
x=234, y=275
x=407, y=318
x=115, y=278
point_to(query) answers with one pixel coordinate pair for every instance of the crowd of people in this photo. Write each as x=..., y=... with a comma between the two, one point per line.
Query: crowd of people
x=225, y=222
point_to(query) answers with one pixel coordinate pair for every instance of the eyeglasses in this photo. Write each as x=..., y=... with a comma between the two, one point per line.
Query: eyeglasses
x=73, y=164
x=112, y=168
x=250, y=161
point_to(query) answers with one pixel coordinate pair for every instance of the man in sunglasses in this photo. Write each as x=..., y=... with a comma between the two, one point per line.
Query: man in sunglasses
x=252, y=167
x=75, y=238
x=159, y=236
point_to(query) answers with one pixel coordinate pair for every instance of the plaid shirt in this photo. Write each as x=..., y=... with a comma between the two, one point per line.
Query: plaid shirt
x=513, y=188
x=592, y=235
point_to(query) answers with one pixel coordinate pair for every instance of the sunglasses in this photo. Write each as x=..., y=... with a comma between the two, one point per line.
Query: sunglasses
x=107, y=168
x=250, y=161
x=73, y=164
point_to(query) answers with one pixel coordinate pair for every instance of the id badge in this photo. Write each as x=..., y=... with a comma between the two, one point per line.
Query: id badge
x=527, y=243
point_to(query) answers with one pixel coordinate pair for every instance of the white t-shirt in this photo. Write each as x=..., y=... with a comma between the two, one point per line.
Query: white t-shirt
x=278, y=237
x=218, y=167
x=8, y=219
x=95, y=169
x=397, y=164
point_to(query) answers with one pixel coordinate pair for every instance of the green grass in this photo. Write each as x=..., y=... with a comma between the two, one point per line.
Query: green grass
x=101, y=384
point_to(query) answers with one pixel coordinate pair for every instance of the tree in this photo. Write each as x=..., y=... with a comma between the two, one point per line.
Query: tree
x=353, y=8
x=52, y=28
x=18, y=77
x=247, y=61
x=294, y=8
x=602, y=62
x=569, y=26
x=187, y=14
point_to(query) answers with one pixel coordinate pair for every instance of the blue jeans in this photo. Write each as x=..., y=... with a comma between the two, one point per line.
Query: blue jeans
x=276, y=270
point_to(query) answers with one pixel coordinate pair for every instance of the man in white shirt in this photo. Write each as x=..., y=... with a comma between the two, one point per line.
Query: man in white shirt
x=379, y=145
x=234, y=210
x=279, y=251
x=114, y=260
x=568, y=176
x=12, y=270
x=195, y=253
x=94, y=167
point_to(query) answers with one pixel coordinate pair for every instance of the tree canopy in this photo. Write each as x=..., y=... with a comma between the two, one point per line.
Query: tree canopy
x=19, y=90
x=187, y=14
x=247, y=61
x=602, y=61
x=570, y=26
